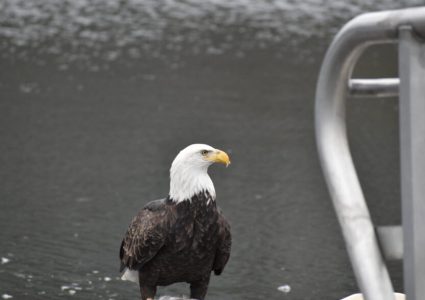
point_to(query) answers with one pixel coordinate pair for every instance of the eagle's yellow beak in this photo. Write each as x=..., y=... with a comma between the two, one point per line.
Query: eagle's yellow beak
x=219, y=156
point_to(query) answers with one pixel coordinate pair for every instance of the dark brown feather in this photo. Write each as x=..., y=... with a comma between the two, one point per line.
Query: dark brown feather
x=224, y=246
x=145, y=236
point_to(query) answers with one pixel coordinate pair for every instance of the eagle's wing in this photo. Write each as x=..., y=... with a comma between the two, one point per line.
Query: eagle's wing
x=225, y=243
x=145, y=236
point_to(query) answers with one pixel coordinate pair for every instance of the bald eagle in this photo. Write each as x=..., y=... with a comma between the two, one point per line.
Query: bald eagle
x=181, y=238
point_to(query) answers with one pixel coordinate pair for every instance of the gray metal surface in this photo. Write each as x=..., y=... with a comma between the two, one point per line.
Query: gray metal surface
x=391, y=241
x=412, y=158
x=341, y=177
x=376, y=87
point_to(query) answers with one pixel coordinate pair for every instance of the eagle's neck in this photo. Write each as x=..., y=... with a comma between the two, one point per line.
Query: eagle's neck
x=188, y=182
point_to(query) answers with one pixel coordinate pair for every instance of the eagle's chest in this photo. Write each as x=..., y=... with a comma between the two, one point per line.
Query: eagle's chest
x=196, y=227
x=191, y=247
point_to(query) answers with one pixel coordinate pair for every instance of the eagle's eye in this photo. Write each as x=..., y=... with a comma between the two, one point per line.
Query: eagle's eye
x=204, y=152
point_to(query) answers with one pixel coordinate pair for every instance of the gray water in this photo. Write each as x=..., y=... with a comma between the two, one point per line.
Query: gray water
x=97, y=97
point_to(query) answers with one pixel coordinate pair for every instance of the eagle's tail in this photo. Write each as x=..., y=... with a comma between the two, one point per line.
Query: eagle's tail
x=130, y=275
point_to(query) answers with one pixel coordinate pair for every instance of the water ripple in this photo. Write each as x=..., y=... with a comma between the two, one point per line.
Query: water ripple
x=106, y=30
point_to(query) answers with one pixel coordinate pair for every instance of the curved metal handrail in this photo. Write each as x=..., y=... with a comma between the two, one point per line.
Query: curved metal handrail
x=341, y=177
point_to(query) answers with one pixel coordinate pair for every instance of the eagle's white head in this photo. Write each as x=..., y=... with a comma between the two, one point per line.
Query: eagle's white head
x=189, y=171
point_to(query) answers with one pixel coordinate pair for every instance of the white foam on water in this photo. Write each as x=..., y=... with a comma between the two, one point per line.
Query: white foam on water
x=286, y=288
x=72, y=287
x=19, y=275
x=98, y=24
x=4, y=260
x=6, y=296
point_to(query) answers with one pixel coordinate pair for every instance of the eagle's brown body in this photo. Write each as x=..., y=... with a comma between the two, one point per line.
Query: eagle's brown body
x=171, y=242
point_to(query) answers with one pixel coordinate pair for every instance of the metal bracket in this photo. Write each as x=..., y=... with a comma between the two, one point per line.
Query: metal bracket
x=379, y=87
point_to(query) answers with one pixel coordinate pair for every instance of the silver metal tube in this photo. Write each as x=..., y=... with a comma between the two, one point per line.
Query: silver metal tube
x=341, y=177
x=412, y=150
x=377, y=87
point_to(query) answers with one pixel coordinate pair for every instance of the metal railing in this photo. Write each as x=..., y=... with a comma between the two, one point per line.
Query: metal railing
x=405, y=27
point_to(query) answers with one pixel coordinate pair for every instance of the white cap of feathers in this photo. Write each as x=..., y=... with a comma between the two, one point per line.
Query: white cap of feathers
x=189, y=171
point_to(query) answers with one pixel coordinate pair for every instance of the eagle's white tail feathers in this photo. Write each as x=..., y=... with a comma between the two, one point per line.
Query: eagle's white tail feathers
x=130, y=275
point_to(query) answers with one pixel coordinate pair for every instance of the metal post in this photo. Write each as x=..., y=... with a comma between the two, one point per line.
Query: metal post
x=412, y=158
